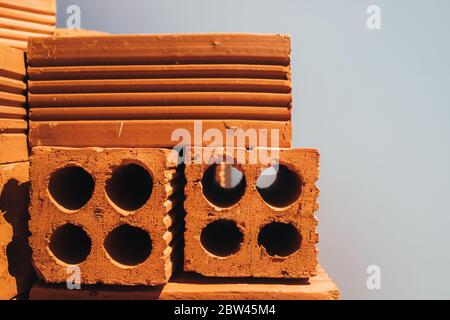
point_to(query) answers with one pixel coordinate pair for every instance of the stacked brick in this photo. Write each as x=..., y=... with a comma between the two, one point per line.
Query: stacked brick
x=115, y=213
x=13, y=114
x=111, y=197
x=15, y=267
x=115, y=91
x=253, y=230
x=25, y=19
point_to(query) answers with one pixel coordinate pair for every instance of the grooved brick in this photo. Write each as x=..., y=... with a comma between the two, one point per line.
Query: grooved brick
x=39, y=6
x=157, y=112
x=160, y=49
x=12, y=63
x=208, y=71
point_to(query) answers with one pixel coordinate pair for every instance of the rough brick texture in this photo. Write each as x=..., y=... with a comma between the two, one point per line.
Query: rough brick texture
x=117, y=218
x=136, y=90
x=16, y=273
x=261, y=233
x=192, y=287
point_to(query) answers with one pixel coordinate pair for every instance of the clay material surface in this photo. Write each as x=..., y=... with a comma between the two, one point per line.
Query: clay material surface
x=22, y=20
x=12, y=86
x=16, y=44
x=14, y=148
x=193, y=287
x=16, y=273
x=158, y=112
x=12, y=63
x=115, y=213
x=142, y=133
x=13, y=126
x=242, y=79
x=27, y=15
x=160, y=49
x=159, y=85
x=14, y=24
x=160, y=99
x=13, y=100
x=12, y=90
x=12, y=113
x=247, y=232
x=160, y=71
x=37, y=6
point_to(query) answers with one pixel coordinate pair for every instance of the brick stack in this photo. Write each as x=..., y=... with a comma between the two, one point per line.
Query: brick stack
x=25, y=19
x=15, y=267
x=13, y=114
x=110, y=196
x=116, y=91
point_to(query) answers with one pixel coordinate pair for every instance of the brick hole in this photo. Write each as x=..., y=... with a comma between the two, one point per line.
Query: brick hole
x=279, y=239
x=226, y=191
x=70, y=244
x=129, y=187
x=128, y=245
x=279, y=186
x=71, y=187
x=222, y=238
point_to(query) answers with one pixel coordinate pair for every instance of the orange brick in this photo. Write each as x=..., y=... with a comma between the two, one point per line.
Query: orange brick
x=12, y=63
x=194, y=287
x=249, y=231
x=143, y=133
x=113, y=212
x=39, y=6
x=16, y=272
x=14, y=148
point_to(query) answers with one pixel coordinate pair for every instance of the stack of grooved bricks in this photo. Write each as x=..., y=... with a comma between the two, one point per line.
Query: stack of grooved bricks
x=113, y=204
x=25, y=19
x=15, y=254
x=137, y=90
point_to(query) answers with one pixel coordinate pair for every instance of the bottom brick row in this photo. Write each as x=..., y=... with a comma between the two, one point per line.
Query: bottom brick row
x=193, y=287
x=130, y=216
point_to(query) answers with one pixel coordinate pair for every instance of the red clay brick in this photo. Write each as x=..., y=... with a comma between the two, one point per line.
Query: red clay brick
x=38, y=6
x=156, y=112
x=13, y=126
x=12, y=63
x=194, y=287
x=186, y=71
x=119, y=199
x=14, y=148
x=16, y=272
x=285, y=249
x=160, y=49
x=140, y=133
